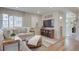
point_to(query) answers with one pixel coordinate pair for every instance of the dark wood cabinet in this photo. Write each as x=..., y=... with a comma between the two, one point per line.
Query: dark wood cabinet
x=47, y=32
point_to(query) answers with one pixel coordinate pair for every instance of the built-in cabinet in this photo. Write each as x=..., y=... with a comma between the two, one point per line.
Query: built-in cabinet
x=48, y=26
x=47, y=32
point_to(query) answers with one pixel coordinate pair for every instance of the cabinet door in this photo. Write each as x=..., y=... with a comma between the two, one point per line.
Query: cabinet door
x=52, y=34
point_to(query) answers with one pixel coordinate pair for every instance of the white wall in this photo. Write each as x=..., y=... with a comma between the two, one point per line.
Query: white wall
x=77, y=28
x=27, y=20
x=34, y=21
x=58, y=23
x=59, y=32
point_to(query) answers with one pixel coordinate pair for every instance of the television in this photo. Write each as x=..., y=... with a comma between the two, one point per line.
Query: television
x=48, y=23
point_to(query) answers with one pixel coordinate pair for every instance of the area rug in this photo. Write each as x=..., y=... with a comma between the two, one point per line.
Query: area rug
x=46, y=42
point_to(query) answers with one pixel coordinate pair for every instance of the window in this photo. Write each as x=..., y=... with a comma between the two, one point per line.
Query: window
x=5, y=20
x=17, y=21
x=20, y=21
x=11, y=21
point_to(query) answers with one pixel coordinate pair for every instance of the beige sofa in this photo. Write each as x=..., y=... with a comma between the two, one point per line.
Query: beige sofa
x=18, y=30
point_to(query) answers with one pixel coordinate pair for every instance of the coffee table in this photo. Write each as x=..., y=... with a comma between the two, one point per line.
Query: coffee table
x=8, y=41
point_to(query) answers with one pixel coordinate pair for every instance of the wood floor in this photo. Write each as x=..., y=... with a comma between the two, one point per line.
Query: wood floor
x=71, y=44
x=58, y=46
x=67, y=44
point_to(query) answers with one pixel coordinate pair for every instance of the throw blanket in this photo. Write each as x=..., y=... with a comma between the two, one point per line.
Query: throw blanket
x=34, y=40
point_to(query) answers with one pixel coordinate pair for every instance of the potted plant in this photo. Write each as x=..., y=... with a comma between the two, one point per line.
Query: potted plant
x=13, y=35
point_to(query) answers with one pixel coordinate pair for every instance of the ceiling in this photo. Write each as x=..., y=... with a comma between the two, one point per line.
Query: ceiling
x=45, y=10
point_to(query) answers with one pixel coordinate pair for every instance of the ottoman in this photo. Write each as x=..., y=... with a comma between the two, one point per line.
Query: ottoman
x=35, y=42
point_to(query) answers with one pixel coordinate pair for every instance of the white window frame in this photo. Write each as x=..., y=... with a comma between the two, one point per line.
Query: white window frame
x=14, y=25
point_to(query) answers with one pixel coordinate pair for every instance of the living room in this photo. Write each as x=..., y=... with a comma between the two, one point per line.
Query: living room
x=34, y=28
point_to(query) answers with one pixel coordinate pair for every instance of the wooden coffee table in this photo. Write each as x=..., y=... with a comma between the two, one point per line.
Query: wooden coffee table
x=9, y=41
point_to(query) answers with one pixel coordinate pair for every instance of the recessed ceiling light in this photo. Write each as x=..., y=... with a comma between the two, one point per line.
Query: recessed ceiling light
x=60, y=17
